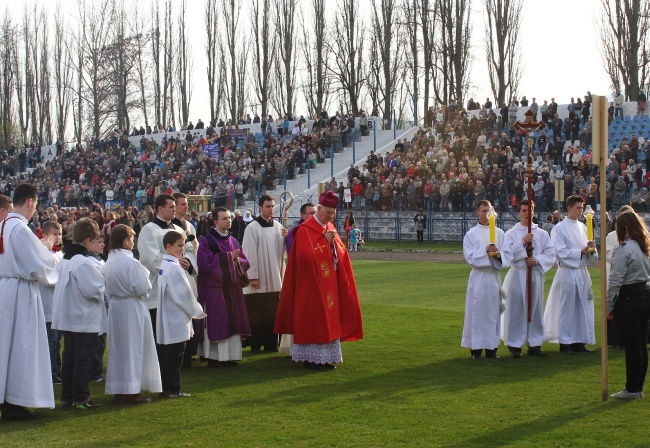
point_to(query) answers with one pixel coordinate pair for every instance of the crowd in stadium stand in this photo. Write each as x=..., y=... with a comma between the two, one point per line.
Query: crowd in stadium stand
x=460, y=156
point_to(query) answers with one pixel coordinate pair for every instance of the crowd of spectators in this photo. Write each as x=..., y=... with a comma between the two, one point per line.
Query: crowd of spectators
x=111, y=180
x=459, y=158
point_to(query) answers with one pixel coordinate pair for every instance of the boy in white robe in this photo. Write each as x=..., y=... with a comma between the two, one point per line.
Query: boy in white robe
x=52, y=229
x=25, y=375
x=515, y=328
x=483, y=302
x=177, y=306
x=79, y=311
x=569, y=314
x=132, y=360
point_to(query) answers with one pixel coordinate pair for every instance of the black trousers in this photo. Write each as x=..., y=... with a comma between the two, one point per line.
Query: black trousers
x=420, y=236
x=152, y=313
x=76, y=365
x=262, y=309
x=98, y=357
x=632, y=311
x=171, y=362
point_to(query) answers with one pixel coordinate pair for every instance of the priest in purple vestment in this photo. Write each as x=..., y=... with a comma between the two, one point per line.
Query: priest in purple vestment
x=220, y=294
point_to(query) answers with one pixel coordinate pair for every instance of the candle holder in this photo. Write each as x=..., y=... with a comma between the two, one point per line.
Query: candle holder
x=492, y=222
x=589, y=220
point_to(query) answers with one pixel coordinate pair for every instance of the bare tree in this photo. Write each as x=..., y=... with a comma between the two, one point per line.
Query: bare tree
x=44, y=95
x=62, y=75
x=96, y=80
x=215, y=70
x=264, y=50
x=624, y=48
x=8, y=76
x=230, y=10
x=347, y=66
x=286, y=31
x=386, y=22
x=411, y=22
x=242, y=77
x=502, y=49
x=142, y=64
x=452, y=49
x=156, y=59
x=429, y=35
x=317, y=83
x=24, y=79
x=169, y=56
x=185, y=66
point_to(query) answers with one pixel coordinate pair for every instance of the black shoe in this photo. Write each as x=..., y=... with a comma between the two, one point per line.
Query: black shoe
x=12, y=412
x=97, y=379
x=580, y=348
x=491, y=354
x=56, y=380
x=213, y=363
x=536, y=351
x=515, y=352
x=228, y=364
x=566, y=349
x=87, y=405
x=271, y=349
x=477, y=357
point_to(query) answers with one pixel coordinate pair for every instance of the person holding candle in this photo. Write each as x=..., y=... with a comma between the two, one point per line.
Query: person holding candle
x=569, y=314
x=628, y=299
x=481, y=248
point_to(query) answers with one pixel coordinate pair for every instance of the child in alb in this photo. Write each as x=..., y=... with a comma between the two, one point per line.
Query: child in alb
x=177, y=306
x=79, y=312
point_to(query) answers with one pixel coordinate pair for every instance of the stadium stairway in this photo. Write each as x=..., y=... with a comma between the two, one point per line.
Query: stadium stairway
x=305, y=186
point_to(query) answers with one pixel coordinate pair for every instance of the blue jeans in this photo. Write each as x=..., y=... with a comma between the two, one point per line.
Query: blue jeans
x=78, y=350
x=54, y=341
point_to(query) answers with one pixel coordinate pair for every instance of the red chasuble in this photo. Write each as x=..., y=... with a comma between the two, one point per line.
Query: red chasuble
x=318, y=303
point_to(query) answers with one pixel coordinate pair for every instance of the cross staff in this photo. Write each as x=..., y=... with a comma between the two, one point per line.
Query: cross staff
x=529, y=125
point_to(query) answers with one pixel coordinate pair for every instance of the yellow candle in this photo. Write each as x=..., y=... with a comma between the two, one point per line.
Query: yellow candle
x=493, y=229
x=590, y=226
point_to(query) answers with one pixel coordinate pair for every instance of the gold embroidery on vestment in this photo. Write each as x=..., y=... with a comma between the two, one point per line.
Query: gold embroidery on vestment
x=326, y=269
x=330, y=300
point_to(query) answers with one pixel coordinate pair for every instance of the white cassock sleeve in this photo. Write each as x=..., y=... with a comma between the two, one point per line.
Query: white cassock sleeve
x=564, y=254
x=139, y=280
x=177, y=286
x=90, y=281
x=33, y=258
x=149, y=248
x=249, y=246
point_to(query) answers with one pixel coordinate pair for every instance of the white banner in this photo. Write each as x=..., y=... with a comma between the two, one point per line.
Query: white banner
x=48, y=153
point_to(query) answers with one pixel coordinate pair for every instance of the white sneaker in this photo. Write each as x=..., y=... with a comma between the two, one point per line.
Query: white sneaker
x=624, y=394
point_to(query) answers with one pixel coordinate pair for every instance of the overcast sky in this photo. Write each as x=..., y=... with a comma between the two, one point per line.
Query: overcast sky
x=560, y=44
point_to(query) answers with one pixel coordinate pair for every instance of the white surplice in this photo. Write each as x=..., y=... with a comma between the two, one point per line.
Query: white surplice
x=264, y=249
x=177, y=305
x=78, y=304
x=483, y=301
x=25, y=369
x=47, y=290
x=515, y=328
x=569, y=313
x=152, y=250
x=132, y=359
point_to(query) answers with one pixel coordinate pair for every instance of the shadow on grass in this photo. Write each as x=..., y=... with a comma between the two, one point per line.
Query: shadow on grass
x=452, y=375
x=526, y=431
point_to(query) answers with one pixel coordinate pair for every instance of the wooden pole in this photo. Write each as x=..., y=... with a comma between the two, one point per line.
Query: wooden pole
x=529, y=246
x=600, y=156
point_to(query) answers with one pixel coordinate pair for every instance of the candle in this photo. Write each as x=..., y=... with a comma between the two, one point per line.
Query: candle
x=492, y=219
x=589, y=215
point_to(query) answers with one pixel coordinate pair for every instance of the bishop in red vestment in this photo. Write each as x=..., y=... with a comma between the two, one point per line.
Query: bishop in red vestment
x=319, y=304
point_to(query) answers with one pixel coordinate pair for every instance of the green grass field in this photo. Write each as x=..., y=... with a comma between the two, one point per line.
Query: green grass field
x=408, y=383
